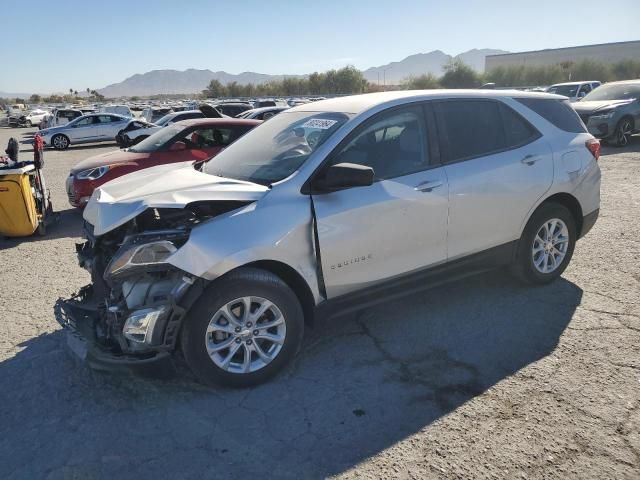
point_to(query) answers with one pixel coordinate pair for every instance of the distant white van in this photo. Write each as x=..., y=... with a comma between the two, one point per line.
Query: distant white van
x=119, y=109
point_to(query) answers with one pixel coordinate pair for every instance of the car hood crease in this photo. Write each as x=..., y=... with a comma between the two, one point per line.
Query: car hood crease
x=166, y=186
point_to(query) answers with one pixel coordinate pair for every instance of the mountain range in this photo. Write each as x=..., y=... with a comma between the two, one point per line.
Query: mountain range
x=194, y=81
x=421, y=63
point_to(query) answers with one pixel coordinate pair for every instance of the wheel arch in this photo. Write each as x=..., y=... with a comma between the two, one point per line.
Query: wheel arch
x=294, y=281
x=565, y=199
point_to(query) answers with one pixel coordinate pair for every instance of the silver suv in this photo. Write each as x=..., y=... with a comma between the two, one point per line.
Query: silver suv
x=325, y=208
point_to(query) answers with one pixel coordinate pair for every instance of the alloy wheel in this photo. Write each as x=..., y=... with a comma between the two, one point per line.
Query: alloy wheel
x=60, y=142
x=245, y=335
x=550, y=245
x=624, y=132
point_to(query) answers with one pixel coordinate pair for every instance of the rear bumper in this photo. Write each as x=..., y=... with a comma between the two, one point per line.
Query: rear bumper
x=588, y=221
x=80, y=323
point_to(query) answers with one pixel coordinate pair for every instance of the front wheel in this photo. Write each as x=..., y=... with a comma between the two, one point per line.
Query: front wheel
x=546, y=245
x=29, y=124
x=243, y=330
x=623, y=132
x=60, y=142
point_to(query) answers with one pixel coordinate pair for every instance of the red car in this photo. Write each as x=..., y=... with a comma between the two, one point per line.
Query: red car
x=197, y=139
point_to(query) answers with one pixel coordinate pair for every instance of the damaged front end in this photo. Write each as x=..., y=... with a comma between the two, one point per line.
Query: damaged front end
x=131, y=312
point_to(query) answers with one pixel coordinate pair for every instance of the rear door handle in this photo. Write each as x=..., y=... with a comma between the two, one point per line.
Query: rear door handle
x=530, y=159
x=428, y=186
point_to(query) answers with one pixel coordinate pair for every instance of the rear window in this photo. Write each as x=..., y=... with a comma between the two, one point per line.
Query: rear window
x=558, y=112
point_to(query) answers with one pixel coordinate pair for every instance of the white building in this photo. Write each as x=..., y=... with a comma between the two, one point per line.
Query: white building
x=604, y=52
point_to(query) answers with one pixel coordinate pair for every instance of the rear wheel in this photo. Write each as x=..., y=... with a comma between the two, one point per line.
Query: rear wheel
x=546, y=246
x=60, y=142
x=29, y=124
x=243, y=330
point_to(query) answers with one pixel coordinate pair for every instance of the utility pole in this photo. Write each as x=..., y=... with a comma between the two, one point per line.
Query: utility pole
x=384, y=76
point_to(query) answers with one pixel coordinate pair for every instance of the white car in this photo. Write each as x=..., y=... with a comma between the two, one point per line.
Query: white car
x=328, y=207
x=97, y=127
x=35, y=117
x=134, y=136
x=574, y=91
x=123, y=110
x=264, y=113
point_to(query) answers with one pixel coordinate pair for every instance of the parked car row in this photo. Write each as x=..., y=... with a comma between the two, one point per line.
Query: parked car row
x=324, y=207
x=188, y=140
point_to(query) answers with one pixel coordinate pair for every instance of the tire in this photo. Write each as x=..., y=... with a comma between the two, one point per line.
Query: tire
x=29, y=124
x=120, y=139
x=622, y=133
x=60, y=142
x=226, y=295
x=530, y=265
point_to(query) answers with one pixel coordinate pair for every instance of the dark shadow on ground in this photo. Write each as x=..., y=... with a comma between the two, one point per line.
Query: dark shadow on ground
x=68, y=223
x=361, y=384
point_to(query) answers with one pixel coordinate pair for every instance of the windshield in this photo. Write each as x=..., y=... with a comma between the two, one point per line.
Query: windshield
x=277, y=148
x=566, y=90
x=619, y=91
x=153, y=142
x=162, y=122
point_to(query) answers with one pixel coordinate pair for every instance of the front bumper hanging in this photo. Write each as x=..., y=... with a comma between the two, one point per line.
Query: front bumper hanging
x=81, y=321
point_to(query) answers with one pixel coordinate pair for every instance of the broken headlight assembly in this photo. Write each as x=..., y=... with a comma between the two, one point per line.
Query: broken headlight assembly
x=148, y=255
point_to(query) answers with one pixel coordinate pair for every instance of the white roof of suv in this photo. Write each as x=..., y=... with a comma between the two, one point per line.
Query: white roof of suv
x=359, y=103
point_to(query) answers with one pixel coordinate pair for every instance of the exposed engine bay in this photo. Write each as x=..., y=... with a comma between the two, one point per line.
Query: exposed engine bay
x=136, y=300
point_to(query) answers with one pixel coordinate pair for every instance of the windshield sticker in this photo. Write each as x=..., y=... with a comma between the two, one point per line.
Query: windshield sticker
x=320, y=123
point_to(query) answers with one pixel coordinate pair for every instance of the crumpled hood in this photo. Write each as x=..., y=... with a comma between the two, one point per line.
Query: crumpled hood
x=592, y=107
x=109, y=158
x=166, y=186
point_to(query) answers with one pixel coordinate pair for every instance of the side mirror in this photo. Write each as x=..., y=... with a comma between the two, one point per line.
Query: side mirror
x=178, y=147
x=345, y=175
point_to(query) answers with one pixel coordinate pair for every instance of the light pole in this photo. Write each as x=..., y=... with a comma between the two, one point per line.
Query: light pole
x=384, y=77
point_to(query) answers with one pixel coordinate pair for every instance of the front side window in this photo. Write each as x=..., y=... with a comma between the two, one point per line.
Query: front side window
x=393, y=145
x=276, y=149
x=83, y=122
x=106, y=119
x=471, y=128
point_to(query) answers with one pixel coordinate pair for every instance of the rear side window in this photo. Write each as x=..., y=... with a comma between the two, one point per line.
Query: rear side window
x=558, y=112
x=519, y=132
x=472, y=128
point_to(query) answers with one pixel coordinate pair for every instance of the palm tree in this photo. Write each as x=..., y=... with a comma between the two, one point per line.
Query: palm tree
x=75, y=93
x=71, y=91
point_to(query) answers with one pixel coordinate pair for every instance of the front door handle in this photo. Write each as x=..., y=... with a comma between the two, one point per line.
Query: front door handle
x=428, y=186
x=530, y=159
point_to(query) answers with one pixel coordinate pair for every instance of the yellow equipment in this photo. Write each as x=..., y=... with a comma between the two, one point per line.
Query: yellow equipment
x=22, y=202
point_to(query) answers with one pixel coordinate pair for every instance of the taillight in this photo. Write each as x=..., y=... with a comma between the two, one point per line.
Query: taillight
x=593, y=145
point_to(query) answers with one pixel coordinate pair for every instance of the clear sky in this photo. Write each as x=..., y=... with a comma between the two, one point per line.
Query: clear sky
x=55, y=45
